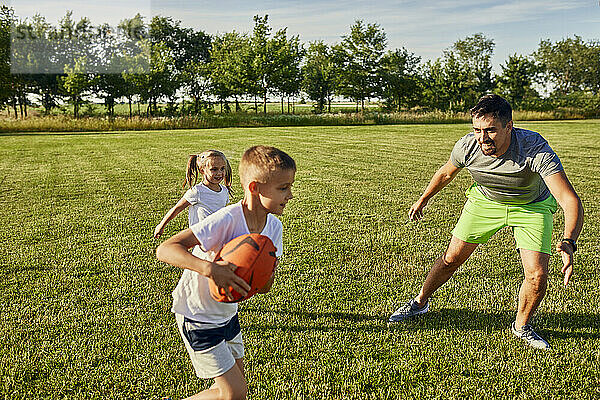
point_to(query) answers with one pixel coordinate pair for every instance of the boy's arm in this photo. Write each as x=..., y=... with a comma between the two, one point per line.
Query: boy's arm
x=172, y=213
x=174, y=251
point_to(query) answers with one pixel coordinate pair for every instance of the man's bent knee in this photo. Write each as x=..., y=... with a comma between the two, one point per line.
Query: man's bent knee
x=537, y=278
x=450, y=261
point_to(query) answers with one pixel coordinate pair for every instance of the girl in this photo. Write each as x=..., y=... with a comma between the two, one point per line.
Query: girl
x=206, y=197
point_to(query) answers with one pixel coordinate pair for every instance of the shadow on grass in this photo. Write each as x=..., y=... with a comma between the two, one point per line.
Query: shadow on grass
x=561, y=324
x=299, y=321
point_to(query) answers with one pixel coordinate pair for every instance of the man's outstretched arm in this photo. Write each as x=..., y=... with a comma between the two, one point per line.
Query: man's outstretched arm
x=440, y=179
x=563, y=192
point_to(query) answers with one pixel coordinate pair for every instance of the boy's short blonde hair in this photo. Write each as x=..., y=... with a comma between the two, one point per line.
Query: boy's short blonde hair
x=259, y=162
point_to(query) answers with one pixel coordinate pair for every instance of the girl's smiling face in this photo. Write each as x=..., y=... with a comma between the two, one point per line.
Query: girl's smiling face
x=213, y=172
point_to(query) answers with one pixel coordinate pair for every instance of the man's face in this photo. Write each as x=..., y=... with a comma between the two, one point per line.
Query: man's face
x=275, y=194
x=493, y=138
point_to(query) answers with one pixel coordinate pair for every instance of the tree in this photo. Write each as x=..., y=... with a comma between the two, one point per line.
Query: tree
x=230, y=66
x=184, y=44
x=445, y=83
x=110, y=88
x=318, y=75
x=162, y=80
x=6, y=22
x=474, y=53
x=462, y=75
x=77, y=83
x=135, y=59
x=564, y=64
x=399, y=79
x=197, y=83
x=286, y=73
x=519, y=74
x=359, y=56
x=262, y=60
x=592, y=78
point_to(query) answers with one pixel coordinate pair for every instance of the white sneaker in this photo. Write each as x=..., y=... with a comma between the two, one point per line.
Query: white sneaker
x=528, y=335
x=408, y=310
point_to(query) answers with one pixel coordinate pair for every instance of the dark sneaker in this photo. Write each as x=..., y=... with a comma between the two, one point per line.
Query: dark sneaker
x=528, y=335
x=410, y=309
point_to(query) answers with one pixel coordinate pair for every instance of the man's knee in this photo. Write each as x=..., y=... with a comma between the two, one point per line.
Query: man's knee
x=537, y=278
x=450, y=261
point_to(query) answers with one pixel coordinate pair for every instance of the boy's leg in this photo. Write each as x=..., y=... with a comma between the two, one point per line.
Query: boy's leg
x=231, y=385
x=240, y=363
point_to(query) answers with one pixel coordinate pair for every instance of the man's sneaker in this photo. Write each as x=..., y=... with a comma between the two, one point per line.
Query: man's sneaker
x=408, y=310
x=527, y=334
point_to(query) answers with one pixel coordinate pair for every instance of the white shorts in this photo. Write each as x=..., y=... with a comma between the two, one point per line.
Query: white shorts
x=212, y=349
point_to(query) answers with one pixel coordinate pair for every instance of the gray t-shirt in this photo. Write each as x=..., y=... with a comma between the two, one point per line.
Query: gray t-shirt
x=516, y=177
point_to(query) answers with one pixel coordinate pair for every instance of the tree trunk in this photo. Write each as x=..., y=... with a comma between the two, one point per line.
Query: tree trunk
x=282, y=105
x=265, y=103
x=237, y=105
x=329, y=105
x=130, y=114
x=255, y=105
x=14, y=104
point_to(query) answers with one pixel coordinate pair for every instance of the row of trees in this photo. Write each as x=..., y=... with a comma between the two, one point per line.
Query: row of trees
x=163, y=62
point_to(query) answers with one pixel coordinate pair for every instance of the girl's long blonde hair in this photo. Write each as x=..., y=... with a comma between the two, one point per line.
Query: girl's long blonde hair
x=197, y=162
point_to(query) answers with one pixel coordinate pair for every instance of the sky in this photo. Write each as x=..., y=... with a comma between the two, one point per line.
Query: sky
x=423, y=27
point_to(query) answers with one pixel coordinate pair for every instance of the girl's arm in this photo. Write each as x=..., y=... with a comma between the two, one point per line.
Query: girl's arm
x=174, y=251
x=172, y=213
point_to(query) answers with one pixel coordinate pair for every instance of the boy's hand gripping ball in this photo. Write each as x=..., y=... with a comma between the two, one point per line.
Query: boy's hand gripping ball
x=254, y=256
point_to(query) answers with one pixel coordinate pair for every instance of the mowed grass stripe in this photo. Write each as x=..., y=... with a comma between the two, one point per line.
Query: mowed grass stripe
x=86, y=305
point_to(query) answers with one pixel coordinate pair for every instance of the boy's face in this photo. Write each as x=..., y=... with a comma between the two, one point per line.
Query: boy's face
x=275, y=193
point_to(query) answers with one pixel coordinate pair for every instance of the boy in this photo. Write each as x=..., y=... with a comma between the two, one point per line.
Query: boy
x=210, y=330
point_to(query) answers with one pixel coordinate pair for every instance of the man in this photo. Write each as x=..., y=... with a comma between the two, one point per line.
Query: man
x=518, y=180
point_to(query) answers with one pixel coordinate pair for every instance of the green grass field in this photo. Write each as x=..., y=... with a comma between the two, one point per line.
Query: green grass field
x=85, y=305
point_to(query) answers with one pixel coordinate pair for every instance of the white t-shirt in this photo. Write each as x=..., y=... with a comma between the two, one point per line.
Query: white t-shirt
x=191, y=297
x=204, y=201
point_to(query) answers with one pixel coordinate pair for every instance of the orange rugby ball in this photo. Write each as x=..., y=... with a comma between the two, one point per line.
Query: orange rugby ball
x=254, y=256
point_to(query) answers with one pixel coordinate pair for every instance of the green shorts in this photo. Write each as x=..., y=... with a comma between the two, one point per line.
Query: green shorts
x=531, y=223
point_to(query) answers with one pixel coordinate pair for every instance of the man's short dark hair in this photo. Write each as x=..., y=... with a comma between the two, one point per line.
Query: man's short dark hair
x=495, y=105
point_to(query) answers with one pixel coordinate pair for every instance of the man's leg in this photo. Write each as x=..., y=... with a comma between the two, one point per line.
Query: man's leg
x=533, y=288
x=457, y=253
x=443, y=268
